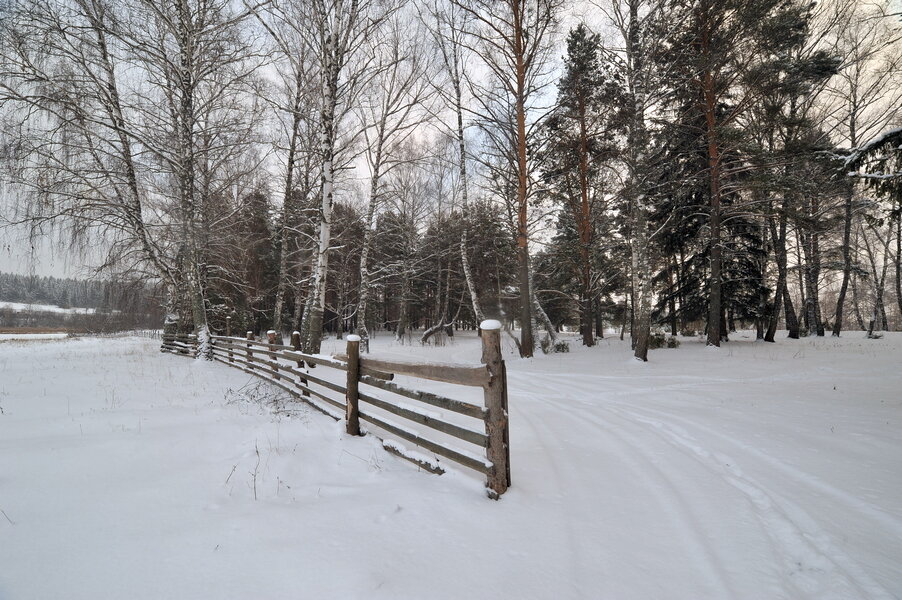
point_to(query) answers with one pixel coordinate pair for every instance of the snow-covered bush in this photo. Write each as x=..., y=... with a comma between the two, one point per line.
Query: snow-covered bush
x=548, y=346
x=658, y=339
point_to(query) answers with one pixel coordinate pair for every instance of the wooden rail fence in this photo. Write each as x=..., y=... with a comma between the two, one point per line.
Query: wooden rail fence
x=368, y=384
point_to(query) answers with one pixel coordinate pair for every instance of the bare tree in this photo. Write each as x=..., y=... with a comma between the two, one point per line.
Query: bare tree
x=286, y=25
x=863, y=99
x=129, y=112
x=336, y=35
x=447, y=27
x=394, y=108
x=513, y=38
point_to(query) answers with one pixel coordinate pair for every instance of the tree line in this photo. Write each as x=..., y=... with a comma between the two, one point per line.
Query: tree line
x=363, y=165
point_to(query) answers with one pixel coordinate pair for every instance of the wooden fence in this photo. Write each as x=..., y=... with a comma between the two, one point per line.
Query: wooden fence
x=368, y=384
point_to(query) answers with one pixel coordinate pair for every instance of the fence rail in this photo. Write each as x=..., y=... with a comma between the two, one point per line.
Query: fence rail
x=482, y=448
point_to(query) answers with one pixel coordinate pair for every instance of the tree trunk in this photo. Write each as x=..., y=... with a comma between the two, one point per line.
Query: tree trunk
x=186, y=174
x=527, y=340
x=846, y=262
x=641, y=293
x=285, y=224
x=364, y=294
x=671, y=301
x=313, y=332
x=898, y=261
x=464, y=187
x=715, y=247
x=637, y=142
x=856, y=308
x=792, y=321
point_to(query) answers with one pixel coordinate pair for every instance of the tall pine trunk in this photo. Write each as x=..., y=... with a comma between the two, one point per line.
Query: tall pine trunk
x=519, y=48
x=846, y=262
x=638, y=140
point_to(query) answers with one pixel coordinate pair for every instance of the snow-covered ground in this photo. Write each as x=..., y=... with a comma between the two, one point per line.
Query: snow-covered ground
x=8, y=337
x=757, y=471
x=51, y=308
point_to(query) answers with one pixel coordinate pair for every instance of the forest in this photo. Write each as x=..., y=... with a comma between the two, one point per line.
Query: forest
x=644, y=167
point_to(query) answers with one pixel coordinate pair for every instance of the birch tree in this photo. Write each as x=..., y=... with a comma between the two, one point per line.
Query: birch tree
x=338, y=31
x=136, y=101
x=286, y=25
x=638, y=23
x=447, y=23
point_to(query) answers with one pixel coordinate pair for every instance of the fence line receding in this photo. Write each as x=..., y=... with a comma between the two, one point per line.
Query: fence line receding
x=368, y=384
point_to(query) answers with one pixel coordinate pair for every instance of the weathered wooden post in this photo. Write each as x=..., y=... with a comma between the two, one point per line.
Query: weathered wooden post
x=296, y=346
x=228, y=333
x=250, y=351
x=496, y=421
x=274, y=362
x=352, y=399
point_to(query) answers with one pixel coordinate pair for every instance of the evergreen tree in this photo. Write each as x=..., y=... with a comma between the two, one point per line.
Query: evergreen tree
x=580, y=148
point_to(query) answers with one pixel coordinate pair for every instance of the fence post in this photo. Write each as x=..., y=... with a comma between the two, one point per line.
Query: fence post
x=250, y=352
x=296, y=345
x=496, y=421
x=352, y=398
x=271, y=338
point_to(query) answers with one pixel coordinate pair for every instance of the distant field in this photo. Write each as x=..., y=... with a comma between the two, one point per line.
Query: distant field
x=20, y=336
x=24, y=307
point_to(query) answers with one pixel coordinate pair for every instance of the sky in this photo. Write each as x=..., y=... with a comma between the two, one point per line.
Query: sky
x=46, y=256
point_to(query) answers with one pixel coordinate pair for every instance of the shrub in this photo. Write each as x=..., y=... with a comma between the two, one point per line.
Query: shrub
x=547, y=346
x=657, y=339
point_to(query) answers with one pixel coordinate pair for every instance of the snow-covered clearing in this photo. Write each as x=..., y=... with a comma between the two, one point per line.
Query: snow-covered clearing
x=51, y=308
x=769, y=471
x=21, y=337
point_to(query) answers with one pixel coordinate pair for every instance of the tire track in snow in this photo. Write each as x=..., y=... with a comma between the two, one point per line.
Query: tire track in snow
x=678, y=511
x=862, y=507
x=819, y=568
x=553, y=466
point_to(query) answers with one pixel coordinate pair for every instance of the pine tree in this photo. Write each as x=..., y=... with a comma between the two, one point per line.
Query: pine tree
x=580, y=148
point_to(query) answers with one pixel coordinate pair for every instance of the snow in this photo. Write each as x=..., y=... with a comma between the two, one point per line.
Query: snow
x=490, y=324
x=757, y=471
x=24, y=307
x=7, y=337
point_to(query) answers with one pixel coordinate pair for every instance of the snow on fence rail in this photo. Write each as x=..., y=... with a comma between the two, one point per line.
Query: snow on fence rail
x=290, y=369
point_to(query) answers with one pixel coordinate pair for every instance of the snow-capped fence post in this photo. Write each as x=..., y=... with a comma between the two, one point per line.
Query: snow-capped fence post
x=352, y=396
x=496, y=424
x=273, y=362
x=250, y=352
